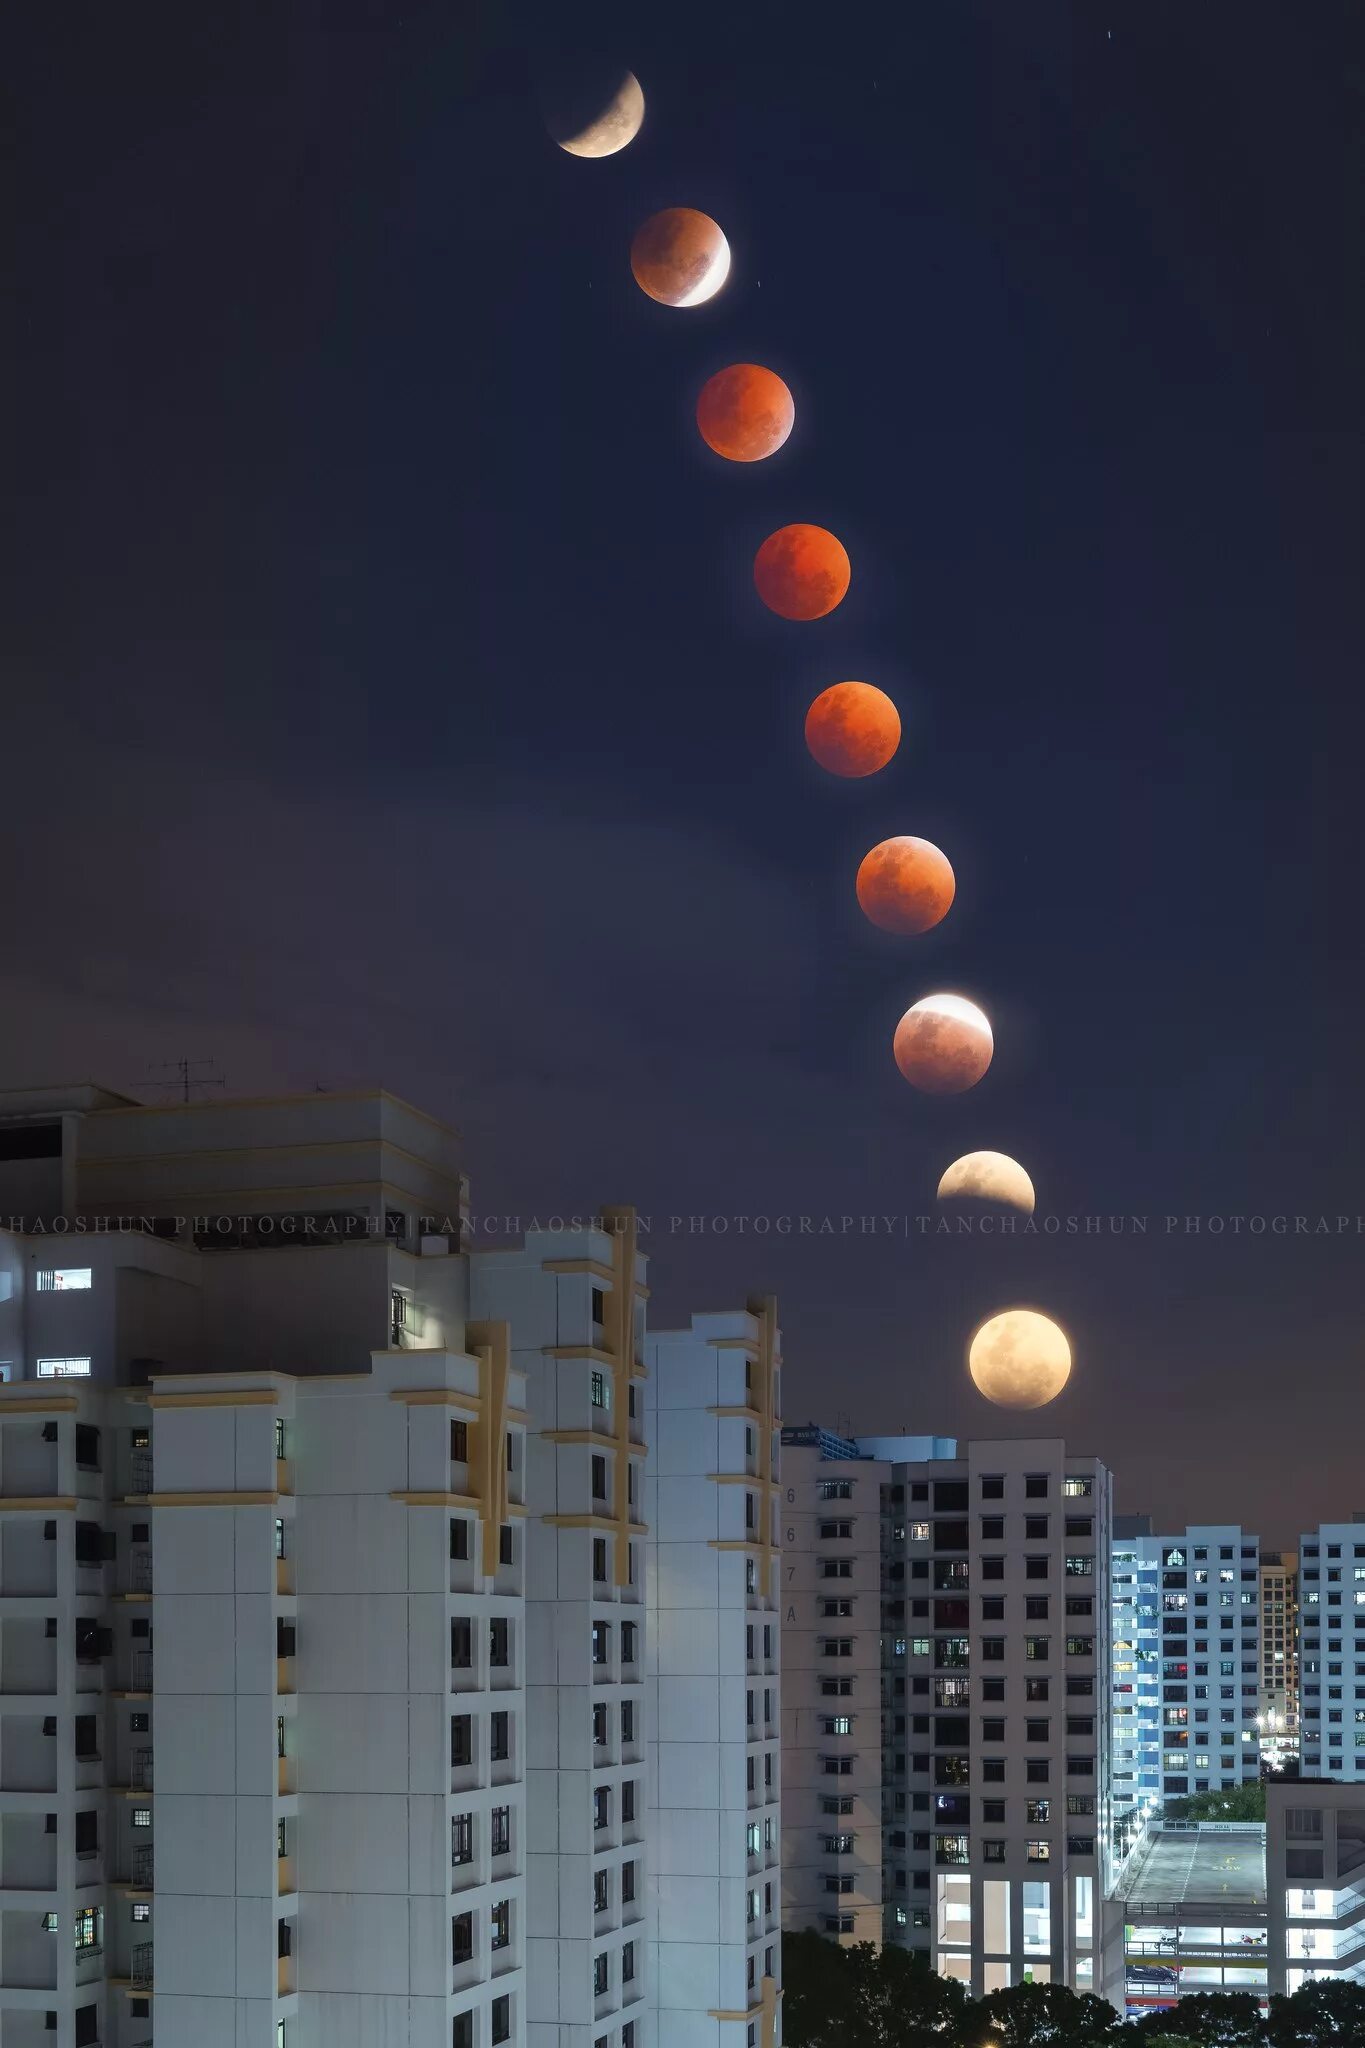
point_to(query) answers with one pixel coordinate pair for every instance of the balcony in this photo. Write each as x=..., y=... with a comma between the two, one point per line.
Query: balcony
x=141, y=1975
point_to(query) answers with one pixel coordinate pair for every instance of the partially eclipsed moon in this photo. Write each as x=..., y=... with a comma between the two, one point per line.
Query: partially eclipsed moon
x=991, y=1179
x=596, y=117
x=943, y=1044
x=1020, y=1359
x=905, y=885
x=680, y=257
x=853, y=729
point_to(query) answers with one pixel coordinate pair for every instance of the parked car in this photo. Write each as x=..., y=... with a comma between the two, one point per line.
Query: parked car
x=1152, y=1973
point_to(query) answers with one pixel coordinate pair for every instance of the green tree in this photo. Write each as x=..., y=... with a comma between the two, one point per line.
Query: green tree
x=1211, y=2019
x=1318, y=2016
x=1240, y=1802
x=1047, y=2016
x=866, y=1997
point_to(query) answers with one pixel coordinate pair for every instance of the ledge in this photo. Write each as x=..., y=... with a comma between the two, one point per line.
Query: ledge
x=41, y=1503
x=245, y=1397
x=211, y=1500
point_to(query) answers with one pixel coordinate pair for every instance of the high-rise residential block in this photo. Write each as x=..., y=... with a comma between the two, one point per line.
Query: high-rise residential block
x=1279, y=1696
x=327, y=1588
x=1331, y=1643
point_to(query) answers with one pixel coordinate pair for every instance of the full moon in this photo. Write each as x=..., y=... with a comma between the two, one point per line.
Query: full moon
x=680, y=257
x=905, y=885
x=596, y=114
x=745, y=412
x=1019, y=1359
x=987, y=1180
x=943, y=1044
x=801, y=572
x=853, y=729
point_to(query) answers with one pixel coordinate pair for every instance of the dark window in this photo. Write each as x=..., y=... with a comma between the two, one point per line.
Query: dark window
x=87, y=1737
x=285, y=1638
x=284, y=1939
x=500, y=1831
x=462, y=2031
x=87, y=1834
x=461, y=1740
x=505, y=1544
x=459, y=1536
x=32, y=1141
x=461, y=1938
x=87, y=1447
x=459, y=1442
x=87, y=2026
x=502, y=2019
x=499, y=1642
x=499, y=1737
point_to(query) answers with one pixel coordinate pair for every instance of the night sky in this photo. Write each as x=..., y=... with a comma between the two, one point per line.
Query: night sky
x=389, y=701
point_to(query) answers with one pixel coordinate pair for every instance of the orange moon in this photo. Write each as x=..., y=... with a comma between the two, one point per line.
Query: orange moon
x=853, y=729
x=745, y=412
x=801, y=572
x=943, y=1044
x=680, y=257
x=905, y=885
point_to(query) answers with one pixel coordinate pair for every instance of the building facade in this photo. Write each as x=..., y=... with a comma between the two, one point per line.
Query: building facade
x=1136, y=1670
x=1210, y=1645
x=713, y=1402
x=1331, y=1644
x=1315, y=1867
x=833, y=1719
x=328, y=1688
x=1279, y=1698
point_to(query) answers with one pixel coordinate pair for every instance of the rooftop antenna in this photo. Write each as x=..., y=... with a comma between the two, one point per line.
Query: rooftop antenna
x=188, y=1076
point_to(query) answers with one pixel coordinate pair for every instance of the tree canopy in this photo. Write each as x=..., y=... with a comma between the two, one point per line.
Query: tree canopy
x=869, y=1997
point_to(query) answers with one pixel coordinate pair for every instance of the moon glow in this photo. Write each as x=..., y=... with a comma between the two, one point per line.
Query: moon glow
x=943, y=1044
x=745, y=413
x=853, y=729
x=989, y=1180
x=597, y=116
x=680, y=257
x=1019, y=1359
x=905, y=885
x=801, y=572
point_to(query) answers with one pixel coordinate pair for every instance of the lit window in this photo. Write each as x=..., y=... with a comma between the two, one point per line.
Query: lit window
x=65, y=1280
x=142, y=1816
x=87, y=1929
x=599, y=1394
x=63, y=1368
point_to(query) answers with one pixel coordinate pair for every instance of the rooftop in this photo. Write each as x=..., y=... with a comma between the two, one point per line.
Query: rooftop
x=1219, y=1864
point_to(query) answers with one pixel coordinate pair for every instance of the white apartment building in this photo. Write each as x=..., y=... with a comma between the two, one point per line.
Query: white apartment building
x=832, y=1713
x=1003, y=1659
x=1279, y=1696
x=1205, y=1717
x=1135, y=1775
x=324, y=1625
x=1331, y=1645
x=713, y=1402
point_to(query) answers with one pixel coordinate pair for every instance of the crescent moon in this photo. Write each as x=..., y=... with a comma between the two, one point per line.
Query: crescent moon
x=990, y=1178
x=615, y=124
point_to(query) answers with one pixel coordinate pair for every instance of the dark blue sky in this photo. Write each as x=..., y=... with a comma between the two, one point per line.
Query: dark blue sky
x=390, y=700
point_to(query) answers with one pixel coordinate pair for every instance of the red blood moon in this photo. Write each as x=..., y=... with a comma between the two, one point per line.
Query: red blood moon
x=943, y=1044
x=745, y=412
x=905, y=885
x=801, y=572
x=853, y=729
x=680, y=257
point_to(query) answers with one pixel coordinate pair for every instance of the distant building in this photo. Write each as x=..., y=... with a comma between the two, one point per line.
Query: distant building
x=1331, y=1643
x=995, y=1744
